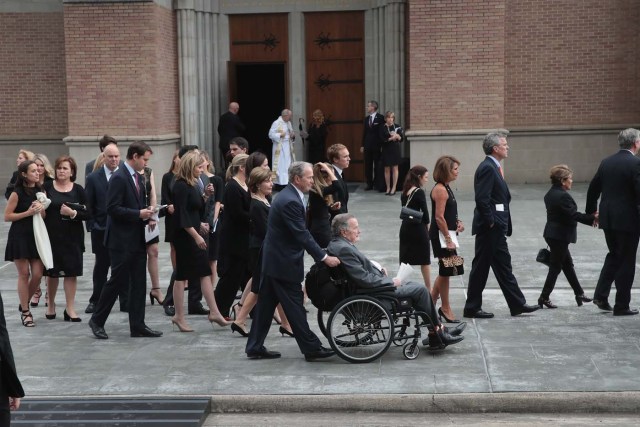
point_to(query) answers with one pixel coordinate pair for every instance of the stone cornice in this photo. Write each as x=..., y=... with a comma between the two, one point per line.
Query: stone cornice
x=278, y=6
x=156, y=139
x=576, y=129
x=30, y=6
x=164, y=3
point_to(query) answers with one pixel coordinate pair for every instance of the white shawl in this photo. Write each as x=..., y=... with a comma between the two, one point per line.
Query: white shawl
x=40, y=233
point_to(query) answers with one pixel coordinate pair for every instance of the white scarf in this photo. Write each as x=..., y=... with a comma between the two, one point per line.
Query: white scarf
x=40, y=233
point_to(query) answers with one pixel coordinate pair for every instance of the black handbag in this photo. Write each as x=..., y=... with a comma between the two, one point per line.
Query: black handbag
x=544, y=256
x=451, y=266
x=411, y=215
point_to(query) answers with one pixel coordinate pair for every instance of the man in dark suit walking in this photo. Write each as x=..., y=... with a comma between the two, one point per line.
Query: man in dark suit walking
x=96, y=190
x=124, y=237
x=618, y=181
x=491, y=226
x=229, y=127
x=338, y=155
x=11, y=390
x=283, y=269
x=371, y=144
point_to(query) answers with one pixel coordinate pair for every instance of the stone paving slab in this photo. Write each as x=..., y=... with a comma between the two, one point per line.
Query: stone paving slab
x=567, y=349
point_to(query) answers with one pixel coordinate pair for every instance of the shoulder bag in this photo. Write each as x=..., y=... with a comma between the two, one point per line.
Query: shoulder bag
x=411, y=215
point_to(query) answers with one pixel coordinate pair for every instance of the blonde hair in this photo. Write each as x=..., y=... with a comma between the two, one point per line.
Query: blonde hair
x=28, y=155
x=559, y=173
x=99, y=162
x=240, y=160
x=320, y=183
x=47, y=164
x=188, y=163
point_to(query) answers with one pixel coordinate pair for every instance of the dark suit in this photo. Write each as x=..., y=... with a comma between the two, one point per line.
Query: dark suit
x=372, y=145
x=96, y=191
x=88, y=168
x=9, y=382
x=124, y=237
x=283, y=271
x=491, y=226
x=365, y=276
x=618, y=181
x=559, y=231
x=342, y=195
x=229, y=127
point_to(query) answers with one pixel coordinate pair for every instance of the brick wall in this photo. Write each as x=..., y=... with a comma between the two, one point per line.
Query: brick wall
x=572, y=62
x=32, y=75
x=121, y=69
x=456, y=65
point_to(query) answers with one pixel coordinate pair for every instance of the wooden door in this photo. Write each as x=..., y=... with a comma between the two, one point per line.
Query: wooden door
x=334, y=45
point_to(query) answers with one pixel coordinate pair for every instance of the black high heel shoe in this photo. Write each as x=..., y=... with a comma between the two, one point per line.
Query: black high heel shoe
x=546, y=302
x=152, y=297
x=446, y=319
x=236, y=328
x=68, y=318
x=50, y=316
x=284, y=332
x=582, y=298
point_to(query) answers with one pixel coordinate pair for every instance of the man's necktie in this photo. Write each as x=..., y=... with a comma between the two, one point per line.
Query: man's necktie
x=370, y=121
x=501, y=171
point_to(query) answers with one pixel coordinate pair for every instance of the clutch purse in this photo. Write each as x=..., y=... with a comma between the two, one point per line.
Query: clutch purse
x=78, y=207
x=544, y=256
x=451, y=266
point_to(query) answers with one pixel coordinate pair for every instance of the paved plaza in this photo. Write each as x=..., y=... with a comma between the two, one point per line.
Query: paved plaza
x=569, y=349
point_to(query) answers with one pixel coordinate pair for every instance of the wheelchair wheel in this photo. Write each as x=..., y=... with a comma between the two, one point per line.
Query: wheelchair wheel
x=400, y=336
x=411, y=350
x=360, y=329
x=323, y=317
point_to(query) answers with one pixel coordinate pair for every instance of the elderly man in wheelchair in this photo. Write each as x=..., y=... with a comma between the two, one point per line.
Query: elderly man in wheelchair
x=410, y=299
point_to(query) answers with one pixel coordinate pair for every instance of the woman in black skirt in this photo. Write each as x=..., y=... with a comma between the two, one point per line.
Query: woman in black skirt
x=391, y=136
x=212, y=214
x=444, y=210
x=414, y=238
x=191, y=247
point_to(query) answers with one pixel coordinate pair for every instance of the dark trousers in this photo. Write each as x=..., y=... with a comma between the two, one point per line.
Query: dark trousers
x=101, y=268
x=128, y=268
x=289, y=294
x=234, y=274
x=371, y=158
x=492, y=252
x=619, y=267
x=560, y=260
x=194, y=297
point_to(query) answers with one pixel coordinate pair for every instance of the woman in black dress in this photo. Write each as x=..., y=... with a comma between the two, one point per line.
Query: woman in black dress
x=444, y=211
x=321, y=202
x=559, y=231
x=317, y=138
x=21, y=244
x=233, y=266
x=66, y=234
x=212, y=214
x=191, y=247
x=391, y=136
x=414, y=237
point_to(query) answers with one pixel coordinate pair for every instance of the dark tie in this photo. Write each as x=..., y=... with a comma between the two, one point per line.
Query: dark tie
x=370, y=121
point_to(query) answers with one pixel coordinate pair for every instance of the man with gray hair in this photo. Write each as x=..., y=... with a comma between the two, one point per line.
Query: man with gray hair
x=491, y=226
x=282, y=269
x=282, y=136
x=617, y=184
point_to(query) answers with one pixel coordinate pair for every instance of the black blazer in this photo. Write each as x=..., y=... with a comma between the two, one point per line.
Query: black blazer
x=618, y=181
x=490, y=191
x=563, y=215
x=371, y=135
x=341, y=195
x=229, y=127
x=125, y=229
x=234, y=232
x=287, y=238
x=96, y=192
x=8, y=376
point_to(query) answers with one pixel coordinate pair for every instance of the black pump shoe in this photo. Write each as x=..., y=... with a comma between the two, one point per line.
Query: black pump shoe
x=68, y=318
x=582, y=298
x=546, y=302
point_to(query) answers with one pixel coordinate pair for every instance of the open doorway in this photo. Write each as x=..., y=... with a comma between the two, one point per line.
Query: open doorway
x=261, y=92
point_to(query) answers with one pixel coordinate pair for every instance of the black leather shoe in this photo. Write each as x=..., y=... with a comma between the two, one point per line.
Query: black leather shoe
x=625, y=312
x=146, y=333
x=442, y=339
x=546, y=302
x=480, y=314
x=263, y=354
x=90, y=308
x=524, y=309
x=169, y=310
x=98, y=331
x=456, y=330
x=198, y=310
x=603, y=305
x=319, y=354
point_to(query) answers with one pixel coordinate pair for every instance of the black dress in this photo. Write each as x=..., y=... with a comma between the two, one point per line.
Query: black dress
x=316, y=142
x=21, y=244
x=318, y=215
x=258, y=213
x=218, y=188
x=65, y=234
x=414, y=240
x=166, y=198
x=191, y=261
x=147, y=201
x=390, y=149
x=450, y=216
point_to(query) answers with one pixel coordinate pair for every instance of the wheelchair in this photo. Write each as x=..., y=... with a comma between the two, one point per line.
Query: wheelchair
x=363, y=323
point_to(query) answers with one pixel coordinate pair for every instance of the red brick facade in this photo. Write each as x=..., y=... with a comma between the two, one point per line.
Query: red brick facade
x=122, y=74
x=32, y=75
